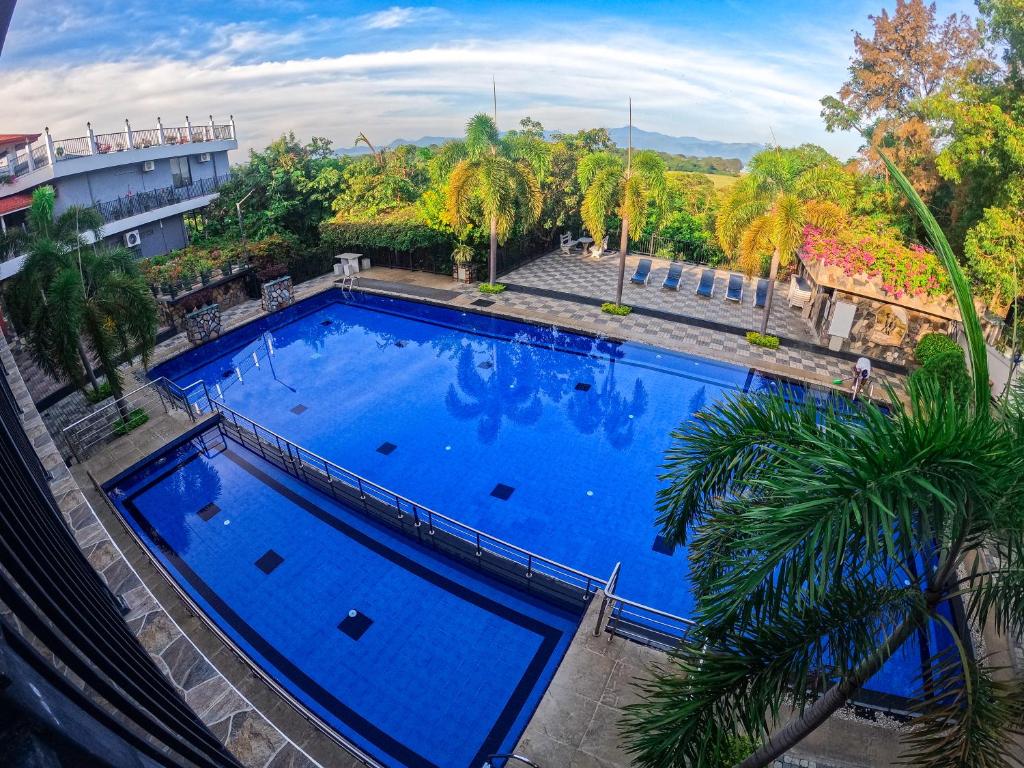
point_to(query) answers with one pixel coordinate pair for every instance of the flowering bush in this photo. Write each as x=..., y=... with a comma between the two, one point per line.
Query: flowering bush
x=902, y=270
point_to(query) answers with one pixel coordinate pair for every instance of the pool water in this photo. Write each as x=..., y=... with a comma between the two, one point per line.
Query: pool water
x=438, y=666
x=547, y=439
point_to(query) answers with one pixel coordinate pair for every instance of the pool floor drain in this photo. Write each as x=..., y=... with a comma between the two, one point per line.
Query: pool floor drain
x=355, y=624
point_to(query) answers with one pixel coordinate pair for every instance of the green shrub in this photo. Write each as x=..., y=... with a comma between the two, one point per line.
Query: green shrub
x=948, y=370
x=616, y=309
x=934, y=344
x=763, y=340
x=135, y=419
x=95, y=396
x=739, y=749
x=491, y=288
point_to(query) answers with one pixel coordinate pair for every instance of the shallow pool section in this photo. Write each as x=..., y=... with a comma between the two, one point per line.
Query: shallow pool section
x=546, y=439
x=418, y=660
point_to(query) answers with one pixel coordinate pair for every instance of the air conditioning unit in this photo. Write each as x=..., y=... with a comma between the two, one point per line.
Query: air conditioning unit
x=204, y=157
x=132, y=239
x=148, y=166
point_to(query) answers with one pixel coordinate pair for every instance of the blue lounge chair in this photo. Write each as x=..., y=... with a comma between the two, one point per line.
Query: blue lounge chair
x=762, y=293
x=735, y=289
x=706, y=286
x=643, y=272
x=674, y=277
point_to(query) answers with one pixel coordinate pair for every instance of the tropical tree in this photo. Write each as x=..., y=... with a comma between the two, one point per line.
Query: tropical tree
x=821, y=544
x=71, y=299
x=493, y=186
x=629, y=190
x=765, y=211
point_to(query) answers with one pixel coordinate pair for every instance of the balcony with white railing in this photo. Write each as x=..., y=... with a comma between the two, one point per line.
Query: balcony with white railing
x=52, y=153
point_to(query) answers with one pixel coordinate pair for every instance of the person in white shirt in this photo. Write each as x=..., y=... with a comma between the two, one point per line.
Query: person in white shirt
x=861, y=374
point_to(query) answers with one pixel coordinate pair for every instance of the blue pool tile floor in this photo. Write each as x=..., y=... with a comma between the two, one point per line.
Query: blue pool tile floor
x=547, y=439
x=419, y=660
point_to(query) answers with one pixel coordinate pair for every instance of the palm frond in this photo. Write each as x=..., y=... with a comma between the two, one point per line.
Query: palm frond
x=967, y=717
x=717, y=688
x=481, y=135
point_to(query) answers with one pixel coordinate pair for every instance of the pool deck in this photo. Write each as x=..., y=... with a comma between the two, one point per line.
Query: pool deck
x=576, y=722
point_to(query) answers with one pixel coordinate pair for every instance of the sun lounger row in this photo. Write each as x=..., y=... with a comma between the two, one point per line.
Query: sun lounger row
x=706, y=285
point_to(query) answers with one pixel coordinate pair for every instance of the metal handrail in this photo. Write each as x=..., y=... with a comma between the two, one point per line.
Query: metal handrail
x=499, y=547
x=510, y=757
x=655, y=620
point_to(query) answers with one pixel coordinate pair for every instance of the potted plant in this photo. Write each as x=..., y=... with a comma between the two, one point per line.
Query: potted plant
x=462, y=257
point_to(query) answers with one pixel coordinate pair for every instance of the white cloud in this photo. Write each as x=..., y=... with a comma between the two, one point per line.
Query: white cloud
x=398, y=16
x=702, y=90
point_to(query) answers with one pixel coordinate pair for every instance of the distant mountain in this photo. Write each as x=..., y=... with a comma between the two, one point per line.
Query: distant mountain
x=684, y=145
x=673, y=145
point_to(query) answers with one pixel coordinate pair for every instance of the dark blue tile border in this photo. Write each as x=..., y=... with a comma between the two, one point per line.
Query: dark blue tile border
x=550, y=636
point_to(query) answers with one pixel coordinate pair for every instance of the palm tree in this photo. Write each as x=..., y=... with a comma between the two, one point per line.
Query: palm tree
x=71, y=298
x=627, y=189
x=821, y=545
x=491, y=187
x=766, y=210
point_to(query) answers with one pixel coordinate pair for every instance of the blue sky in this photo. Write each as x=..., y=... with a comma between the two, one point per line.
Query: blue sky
x=737, y=70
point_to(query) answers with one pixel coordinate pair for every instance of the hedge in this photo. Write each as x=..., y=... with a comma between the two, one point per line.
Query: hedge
x=389, y=235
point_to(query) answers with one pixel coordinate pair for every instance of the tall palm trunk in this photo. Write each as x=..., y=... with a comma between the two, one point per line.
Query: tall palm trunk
x=773, y=273
x=623, y=246
x=494, y=250
x=830, y=702
x=88, y=366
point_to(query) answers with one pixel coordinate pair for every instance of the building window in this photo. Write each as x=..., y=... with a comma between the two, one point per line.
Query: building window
x=181, y=176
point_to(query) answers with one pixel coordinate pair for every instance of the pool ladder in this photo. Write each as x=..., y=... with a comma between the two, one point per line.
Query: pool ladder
x=347, y=283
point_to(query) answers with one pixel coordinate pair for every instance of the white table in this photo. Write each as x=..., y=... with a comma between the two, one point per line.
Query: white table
x=585, y=243
x=348, y=263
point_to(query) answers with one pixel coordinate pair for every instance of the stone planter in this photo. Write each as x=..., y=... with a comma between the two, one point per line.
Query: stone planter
x=463, y=273
x=278, y=294
x=203, y=324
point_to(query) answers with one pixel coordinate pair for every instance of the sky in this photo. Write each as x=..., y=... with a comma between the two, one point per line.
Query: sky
x=728, y=70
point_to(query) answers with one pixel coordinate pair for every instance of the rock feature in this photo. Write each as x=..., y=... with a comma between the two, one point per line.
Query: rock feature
x=278, y=294
x=203, y=324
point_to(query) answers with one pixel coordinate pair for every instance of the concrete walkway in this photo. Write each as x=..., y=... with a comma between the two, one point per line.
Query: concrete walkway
x=576, y=724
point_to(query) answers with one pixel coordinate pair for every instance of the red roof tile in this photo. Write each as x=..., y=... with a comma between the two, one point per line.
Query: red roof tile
x=15, y=202
x=17, y=138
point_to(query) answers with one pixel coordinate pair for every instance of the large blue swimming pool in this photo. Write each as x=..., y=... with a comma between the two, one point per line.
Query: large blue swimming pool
x=550, y=440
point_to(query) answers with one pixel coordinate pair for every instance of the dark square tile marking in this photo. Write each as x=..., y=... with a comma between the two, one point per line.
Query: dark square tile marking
x=502, y=491
x=482, y=303
x=355, y=626
x=582, y=387
x=208, y=511
x=663, y=546
x=299, y=409
x=326, y=322
x=269, y=561
x=386, y=448
x=486, y=364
